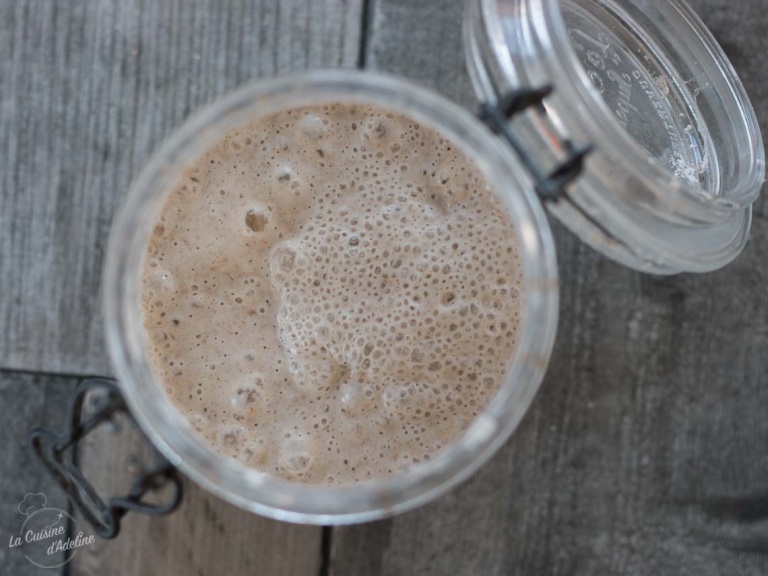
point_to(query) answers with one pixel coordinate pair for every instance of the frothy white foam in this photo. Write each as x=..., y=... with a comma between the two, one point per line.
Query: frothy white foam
x=331, y=294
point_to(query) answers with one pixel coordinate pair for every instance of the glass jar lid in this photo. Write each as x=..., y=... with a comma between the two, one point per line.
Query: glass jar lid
x=677, y=158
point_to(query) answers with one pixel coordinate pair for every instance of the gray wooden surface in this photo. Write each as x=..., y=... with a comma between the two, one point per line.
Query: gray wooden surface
x=89, y=89
x=646, y=450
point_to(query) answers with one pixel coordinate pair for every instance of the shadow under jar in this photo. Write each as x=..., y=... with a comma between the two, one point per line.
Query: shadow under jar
x=676, y=162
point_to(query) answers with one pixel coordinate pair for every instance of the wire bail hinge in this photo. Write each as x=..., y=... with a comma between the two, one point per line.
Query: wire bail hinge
x=551, y=186
x=54, y=450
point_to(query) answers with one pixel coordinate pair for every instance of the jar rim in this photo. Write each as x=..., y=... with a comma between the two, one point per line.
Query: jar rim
x=256, y=491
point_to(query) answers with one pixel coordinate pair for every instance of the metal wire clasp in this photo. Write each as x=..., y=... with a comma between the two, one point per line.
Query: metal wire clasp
x=53, y=450
x=496, y=116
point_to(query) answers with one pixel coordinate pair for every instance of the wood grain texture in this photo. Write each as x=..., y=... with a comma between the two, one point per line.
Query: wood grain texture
x=203, y=536
x=26, y=401
x=646, y=450
x=88, y=88
x=420, y=40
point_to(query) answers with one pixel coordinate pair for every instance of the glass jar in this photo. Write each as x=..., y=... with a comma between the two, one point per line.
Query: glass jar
x=258, y=492
x=667, y=193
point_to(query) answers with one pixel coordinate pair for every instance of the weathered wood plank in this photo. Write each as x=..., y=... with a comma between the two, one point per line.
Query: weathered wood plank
x=88, y=89
x=204, y=536
x=26, y=401
x=644, y=452
x=421, y=41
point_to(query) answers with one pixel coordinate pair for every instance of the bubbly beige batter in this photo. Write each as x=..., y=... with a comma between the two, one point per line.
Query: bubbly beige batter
x=331, y=293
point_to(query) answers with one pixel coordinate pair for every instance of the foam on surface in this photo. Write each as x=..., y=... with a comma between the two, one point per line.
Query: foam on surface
x=331, y=293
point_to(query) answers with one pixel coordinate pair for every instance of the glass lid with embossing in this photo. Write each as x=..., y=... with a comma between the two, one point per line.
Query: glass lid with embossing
x=677, y=158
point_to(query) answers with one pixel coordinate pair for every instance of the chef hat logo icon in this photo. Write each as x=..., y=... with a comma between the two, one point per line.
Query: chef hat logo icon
x=32, y=503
